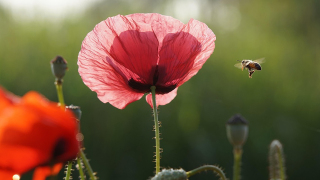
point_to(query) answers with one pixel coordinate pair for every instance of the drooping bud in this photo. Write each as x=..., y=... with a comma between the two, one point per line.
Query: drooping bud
x=58, y=67
x=276, y=161
x=171, y=174
x=237, y=130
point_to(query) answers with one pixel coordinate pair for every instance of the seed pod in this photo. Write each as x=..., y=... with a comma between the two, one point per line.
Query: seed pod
x=237, y=130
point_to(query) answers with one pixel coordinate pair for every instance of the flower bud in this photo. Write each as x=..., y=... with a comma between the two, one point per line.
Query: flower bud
x=171, y=174
x=77, y=114
x=276, y=161
x=58, y=67
x=237, y=130
x=76, y=111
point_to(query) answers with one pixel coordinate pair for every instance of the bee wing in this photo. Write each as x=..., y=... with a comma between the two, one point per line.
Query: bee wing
x=238, y=65
x=261, y=60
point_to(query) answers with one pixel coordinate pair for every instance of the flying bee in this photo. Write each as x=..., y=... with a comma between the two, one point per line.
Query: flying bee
x=250, y=65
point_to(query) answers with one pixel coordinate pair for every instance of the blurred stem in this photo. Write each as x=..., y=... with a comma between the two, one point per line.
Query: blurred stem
x=58, y=84
x=156, y=128
x=68, y=172
x=237, y=153
x=281, y=164
x=80, y=168
x=215, y=169
x=87, y=165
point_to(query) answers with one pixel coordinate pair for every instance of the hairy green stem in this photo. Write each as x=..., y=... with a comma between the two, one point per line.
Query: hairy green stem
x=87, y=165
x=276, y=161
x=156, y=128
x=237, y=153
x=58, y=84
x=80, y=168
x=215, y=169
x=281, y=164
x=68, y=172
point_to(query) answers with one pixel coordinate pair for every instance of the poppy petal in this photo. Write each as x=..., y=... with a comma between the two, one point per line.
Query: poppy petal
x=108, y=84
x=6, y=175
x=37, y=131
x=7, y=99
x=177, y=57
x=161, y=25
x=162, y=99
x=135, y=47
x=61, y=123
x=125, y=55
x=117, y=50
x=183, y=53
x=41, y=173
x=207, y=40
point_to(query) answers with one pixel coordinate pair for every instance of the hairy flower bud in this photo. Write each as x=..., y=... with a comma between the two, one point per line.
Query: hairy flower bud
x=276, y=161
x=171, y=174
x=237, y=130
x=58, y=67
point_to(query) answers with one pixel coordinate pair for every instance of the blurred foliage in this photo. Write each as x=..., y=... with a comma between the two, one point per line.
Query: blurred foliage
x=280, y=102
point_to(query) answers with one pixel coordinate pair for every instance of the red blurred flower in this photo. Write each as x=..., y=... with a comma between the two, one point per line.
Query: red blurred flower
x=125, y=55
x=34, y=132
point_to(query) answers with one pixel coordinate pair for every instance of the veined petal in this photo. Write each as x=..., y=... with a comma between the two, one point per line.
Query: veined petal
x=107, y=83
x=131, y=48
x=125, y=55
x=177, y=57
x=118, y=96
x=162, y=99
x=206, y=38
x=161, y=25
x=183, y=53
x=118, y=51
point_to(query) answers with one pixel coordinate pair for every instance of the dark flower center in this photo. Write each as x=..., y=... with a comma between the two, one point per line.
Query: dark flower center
x=59, y=148
x=145, y=88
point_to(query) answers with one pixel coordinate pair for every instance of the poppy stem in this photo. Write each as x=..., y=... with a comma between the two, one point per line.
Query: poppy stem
x=237, y=152
x=87, y=165
x=80, y=168
x=68, y=170
x=156, y=128
x=58, y=84
x=215, y=169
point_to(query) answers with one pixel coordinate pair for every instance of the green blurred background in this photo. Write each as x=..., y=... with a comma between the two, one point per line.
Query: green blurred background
x=280, y=102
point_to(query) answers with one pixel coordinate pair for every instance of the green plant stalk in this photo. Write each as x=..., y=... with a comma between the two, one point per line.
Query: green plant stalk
x=87, y=165
x=156, y=128
x=237, y=153
x=80, y=168
x=215, y=169
x=280, y=160
x=68, y=172
x=58, y=84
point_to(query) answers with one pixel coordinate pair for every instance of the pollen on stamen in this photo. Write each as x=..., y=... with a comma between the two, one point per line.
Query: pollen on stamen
x=16, y=177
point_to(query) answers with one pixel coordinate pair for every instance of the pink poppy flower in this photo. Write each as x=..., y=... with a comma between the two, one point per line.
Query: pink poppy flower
x=125, y=55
